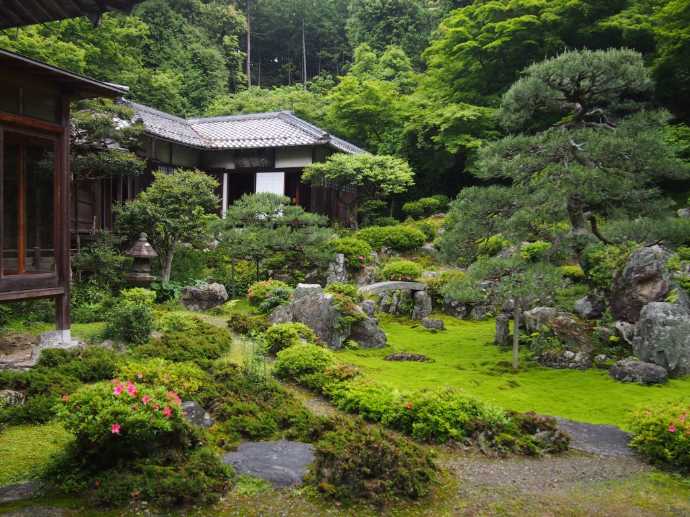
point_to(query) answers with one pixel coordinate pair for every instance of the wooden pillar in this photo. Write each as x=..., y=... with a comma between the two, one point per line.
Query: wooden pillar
x=225, y=195
x=62, y=229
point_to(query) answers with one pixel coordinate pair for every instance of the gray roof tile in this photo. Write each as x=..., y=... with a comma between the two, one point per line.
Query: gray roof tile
x=254, y=131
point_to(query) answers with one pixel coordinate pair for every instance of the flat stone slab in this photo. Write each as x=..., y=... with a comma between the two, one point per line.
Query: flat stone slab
x=282, y=463
x=602, y=440
x=382, y=287
x=19, y=491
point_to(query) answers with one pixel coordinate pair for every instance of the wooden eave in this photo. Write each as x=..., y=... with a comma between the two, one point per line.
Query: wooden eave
x=18, y=13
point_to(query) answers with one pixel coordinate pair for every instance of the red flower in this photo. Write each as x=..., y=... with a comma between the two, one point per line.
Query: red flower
x=145, y=399
x=409, y=406
x=131, y=389
x=672, y=428
x=65, y=398
x=115, y=428
x=167, y=412
x=117, y=390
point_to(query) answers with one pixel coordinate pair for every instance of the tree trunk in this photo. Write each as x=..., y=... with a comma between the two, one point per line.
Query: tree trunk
x=249, y=44
x=516, y=336
x=304, y=56
x=166, y=270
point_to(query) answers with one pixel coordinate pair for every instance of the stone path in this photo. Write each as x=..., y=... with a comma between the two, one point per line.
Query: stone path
x=282, y=463
x=602, y=440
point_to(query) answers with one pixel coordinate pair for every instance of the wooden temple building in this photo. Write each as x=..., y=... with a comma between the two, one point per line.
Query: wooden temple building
x=35, y=179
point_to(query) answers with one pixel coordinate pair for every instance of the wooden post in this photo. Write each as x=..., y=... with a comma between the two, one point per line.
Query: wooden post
x=62, y=229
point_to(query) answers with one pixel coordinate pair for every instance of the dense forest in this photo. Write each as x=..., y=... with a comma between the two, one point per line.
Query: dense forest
x=420, y=79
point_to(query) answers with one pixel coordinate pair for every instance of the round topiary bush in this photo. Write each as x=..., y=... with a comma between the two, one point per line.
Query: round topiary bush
x=284, y=335
x=399, y=238
x=404, y=270
x=299, y=360
x=259, y=292
x=356, y=251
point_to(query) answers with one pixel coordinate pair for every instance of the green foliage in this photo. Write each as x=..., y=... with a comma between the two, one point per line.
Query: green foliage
x=356, y=251
x=349, y=290
x=246, y=324
x=535, y=251
x=175, y=209
x=262, y=292
x=202, y=345
x=102, y=262
x=662, y=434
x=425, y=206
x=572, y=272
x=398, y=238
x=601, y=262
x=405, y=270
x=299, y=362
x=493, y=245
x=436, y=284
x=184, y=378
x=283, y=335
x=672, y=231
x=90, y=302
x=131, y=319
x=357, y=461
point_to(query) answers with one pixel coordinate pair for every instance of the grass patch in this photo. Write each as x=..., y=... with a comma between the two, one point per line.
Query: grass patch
x=465, y=358
x=27, y=450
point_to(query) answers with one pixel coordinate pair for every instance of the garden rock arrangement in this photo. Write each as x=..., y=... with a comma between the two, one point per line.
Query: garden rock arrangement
x=634, y=370
x=406, y=356
x=663, y=337
x=590, y=307
x=22, y=351
x=204, y=297
x=432, y=324
x=644, y=279
x=282, y=463
x=319, y=311
x=401, y=298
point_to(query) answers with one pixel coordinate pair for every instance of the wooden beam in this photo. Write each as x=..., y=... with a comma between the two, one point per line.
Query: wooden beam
x=28, y=16
x=31, y=294
x=31, y=123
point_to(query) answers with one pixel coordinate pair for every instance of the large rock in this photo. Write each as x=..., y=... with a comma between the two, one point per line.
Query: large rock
x=626, y=331
x=307, y=290
x=590, y=307
x=503, y=337
x=281, y=463
x=392, y=285
x=634, y=370
x=368, y=334
x=422, y=305
x=539, y=317
x=369, y=307
x=663, y=337
x=643, y=280
x=319, y=311
x=684, y=213
x=204, y=297
x=11, y=398
x=196, y=414
x=337, y=270
x=432, y=324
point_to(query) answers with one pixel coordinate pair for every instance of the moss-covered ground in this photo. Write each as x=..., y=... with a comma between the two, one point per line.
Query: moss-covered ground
x=465, y=358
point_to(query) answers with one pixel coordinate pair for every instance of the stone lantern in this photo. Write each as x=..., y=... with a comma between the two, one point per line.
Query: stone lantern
x=142, y=252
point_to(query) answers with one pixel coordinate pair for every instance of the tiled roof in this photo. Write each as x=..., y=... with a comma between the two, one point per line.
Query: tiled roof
x=254, y=131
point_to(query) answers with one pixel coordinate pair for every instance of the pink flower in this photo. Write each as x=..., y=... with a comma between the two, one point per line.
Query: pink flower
x=672, y=428
x=131, y=389
x=117, y=390
x=65, y=398
x=167, y=412
x=145, y=399
x=115, y=428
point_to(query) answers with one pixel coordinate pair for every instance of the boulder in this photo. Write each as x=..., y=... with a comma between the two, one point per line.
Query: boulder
x=432, y=324
x=319, y=311
x=382, y=287
x=663, y=337
x=684, y=213
x=307, y=290
x=537, y=318
x=590, y=307
x=196, y=414
x=11, y=398
x=422, y=305
x=282, y=463
x=643, y=280
x=634, y=370
x=369, y=307
x=337, y=270
x=626, y=331
x=368, y=334
x=503, y=337
x=204, y=297
x=565, y=359
x=455, y=308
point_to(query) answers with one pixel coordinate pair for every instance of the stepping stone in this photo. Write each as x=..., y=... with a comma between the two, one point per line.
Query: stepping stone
x=602, y=440
x=19, y=491
x=282, y=463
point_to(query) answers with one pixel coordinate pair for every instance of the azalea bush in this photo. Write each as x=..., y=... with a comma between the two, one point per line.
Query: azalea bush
x=185, y=378
x=662, y=434
x=122, y=419
x=299, y=362
x=259, y=292
x=357, y=461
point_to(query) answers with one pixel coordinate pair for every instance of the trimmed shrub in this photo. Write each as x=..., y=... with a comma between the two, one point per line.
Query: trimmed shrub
x=284, y=335
x=356, y=251
x=202, y=345
x=139, y=296
x=90, y=302
x=426, y=206
x=572, y=272
x=132, y=317
x=349, y=290
x=436, y=284
x=601, y=262
x=259, y=292
x=662, y=434
x=492, y=246
x=399, y=238
x=246, y=324
x=299, y=361
x=185, y=378
x=364, y=462
x=405, y=270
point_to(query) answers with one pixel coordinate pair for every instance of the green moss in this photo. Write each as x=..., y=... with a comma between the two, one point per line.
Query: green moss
x=464, y=358
x=27, y=450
